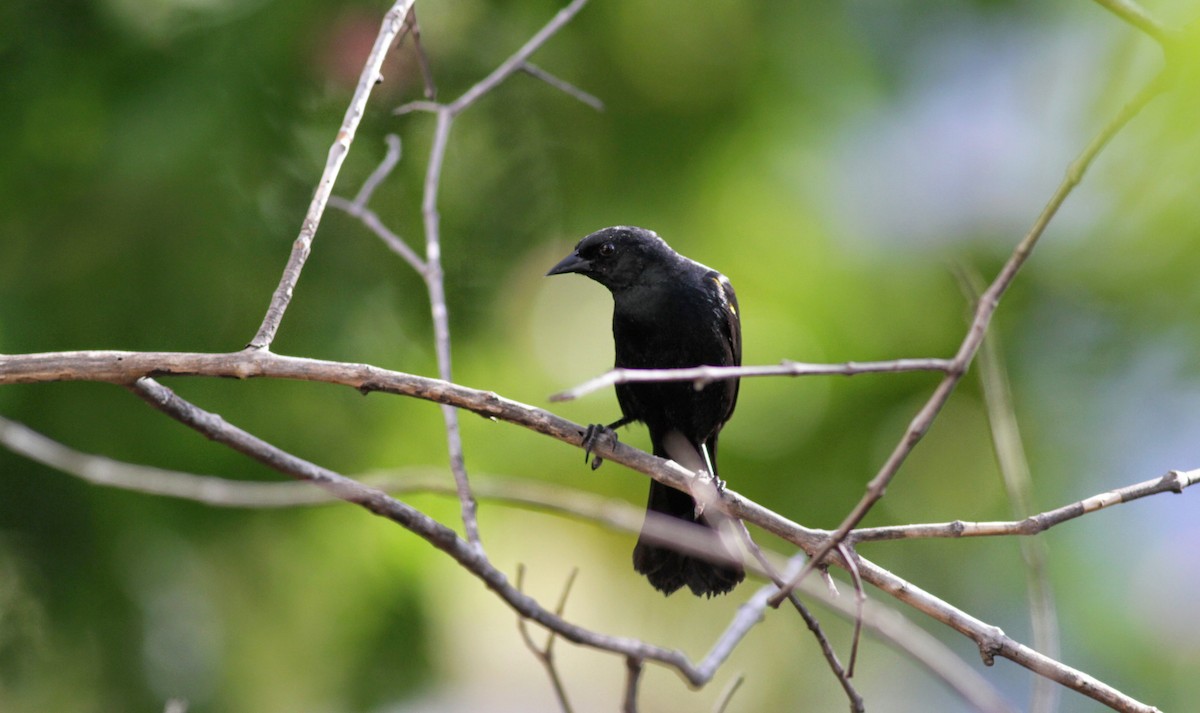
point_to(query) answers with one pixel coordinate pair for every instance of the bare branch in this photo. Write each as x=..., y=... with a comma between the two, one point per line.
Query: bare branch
x=127, y=367
x=443, y=538
x=217, y=491
x=704, y=375
x=393, y=23
x=1173, y=482
x=99, y=470
x=133, y=370
x=514, y=63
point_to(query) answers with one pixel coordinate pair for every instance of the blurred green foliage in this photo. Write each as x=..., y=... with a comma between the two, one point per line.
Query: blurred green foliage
x=833, y=159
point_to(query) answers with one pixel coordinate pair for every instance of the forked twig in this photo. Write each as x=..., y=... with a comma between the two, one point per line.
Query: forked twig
x=814, y=625
x=545, y=654
x=430, y=267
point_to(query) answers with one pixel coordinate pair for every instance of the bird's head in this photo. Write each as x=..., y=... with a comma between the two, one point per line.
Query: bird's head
x=617, y=257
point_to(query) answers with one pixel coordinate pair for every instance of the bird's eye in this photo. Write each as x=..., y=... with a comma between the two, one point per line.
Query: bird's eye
x=607, y=249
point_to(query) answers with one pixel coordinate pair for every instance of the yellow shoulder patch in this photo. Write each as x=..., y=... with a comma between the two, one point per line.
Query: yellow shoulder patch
x=724, y=286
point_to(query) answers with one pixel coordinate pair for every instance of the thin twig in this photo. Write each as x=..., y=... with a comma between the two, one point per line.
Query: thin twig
x=704, y=375
x=371, y=220
x=435, y=284
x=633, y=677
x=860, y=602
x=414, y=30
x=727, y=695
x=1018, y=483
x=393, y=24
x=562, y=85
x=381, y=172
x=988, y=302
x=1135, y=15
x=422, y=105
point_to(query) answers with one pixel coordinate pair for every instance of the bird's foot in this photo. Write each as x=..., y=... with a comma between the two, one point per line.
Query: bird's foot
x=596, y=434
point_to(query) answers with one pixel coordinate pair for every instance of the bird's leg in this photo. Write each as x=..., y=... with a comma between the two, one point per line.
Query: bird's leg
x=709, y=472
x=597, y=431
x=712, y=472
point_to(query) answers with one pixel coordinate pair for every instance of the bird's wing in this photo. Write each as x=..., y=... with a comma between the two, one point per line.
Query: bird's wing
x=731, y=331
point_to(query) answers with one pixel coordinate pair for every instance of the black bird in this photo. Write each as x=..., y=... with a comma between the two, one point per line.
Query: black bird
x=668, y=312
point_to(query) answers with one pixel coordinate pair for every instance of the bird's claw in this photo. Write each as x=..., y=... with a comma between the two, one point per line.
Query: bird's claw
x=591, y=437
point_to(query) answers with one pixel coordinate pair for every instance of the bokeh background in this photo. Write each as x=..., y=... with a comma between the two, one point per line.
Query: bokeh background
x=837, y=160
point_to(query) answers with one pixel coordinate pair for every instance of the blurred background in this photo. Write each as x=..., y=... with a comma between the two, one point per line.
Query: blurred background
x=838, y=161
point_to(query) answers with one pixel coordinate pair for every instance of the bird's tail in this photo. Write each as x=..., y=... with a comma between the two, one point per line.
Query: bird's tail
x=667, y=569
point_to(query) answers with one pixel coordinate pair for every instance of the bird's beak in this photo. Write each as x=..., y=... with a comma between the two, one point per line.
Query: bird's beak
x=570, y=263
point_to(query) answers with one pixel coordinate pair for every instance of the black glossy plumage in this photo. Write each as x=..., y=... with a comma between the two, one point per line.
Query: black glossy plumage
x=668, y=312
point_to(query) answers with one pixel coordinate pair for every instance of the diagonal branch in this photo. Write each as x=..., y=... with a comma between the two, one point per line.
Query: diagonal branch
x=988, y=302
x=393, y=24
x=215, y=428
x=814, y=626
